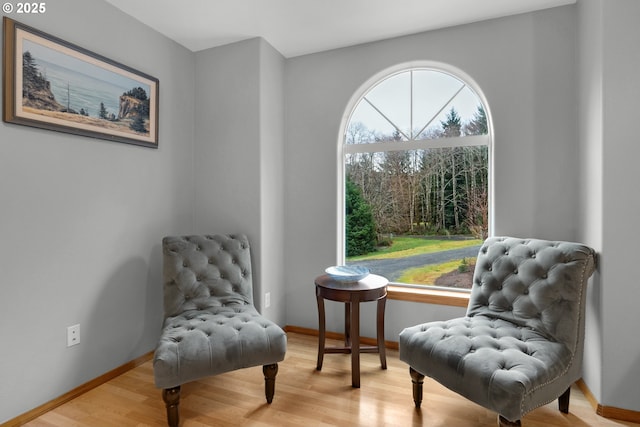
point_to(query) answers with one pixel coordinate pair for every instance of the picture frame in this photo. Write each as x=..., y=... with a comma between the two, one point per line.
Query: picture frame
x=52, y=84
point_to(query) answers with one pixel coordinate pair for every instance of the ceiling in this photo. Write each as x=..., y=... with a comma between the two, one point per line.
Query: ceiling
x=298, y=27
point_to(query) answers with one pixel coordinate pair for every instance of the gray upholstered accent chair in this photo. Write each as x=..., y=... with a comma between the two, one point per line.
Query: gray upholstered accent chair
x=520, y=344
x=211, y=325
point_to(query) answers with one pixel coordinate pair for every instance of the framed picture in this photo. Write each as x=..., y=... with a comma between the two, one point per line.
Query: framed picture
x=52, y=84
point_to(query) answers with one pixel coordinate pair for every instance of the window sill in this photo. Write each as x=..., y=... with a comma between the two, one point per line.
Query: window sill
x=429, y=296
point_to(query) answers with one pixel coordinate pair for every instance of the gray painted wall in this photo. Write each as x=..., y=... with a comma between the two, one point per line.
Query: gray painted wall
x=609, y=89
x=227, y=156
x=239, y=156
x=619, y=290
x=590, y=127
x=272, y=65
x=81, y=221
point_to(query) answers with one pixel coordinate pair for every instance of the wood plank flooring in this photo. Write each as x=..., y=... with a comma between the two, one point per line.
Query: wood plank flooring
x=304, y=397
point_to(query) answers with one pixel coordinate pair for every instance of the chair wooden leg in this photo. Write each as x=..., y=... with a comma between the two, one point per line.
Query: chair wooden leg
x=503, y=422
x=270, y=372
x=417, y=379
x=563, y=401
x=171, y=397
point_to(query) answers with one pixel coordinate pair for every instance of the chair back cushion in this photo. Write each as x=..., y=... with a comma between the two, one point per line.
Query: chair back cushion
x=537, y=284
x=201, y=272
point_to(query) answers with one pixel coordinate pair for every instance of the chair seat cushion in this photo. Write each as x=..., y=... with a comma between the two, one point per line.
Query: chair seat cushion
x=198, y=343
x=492, y=362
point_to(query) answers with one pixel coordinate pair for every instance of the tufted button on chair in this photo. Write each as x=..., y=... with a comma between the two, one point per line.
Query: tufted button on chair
x=211, y=325
x=520, y=343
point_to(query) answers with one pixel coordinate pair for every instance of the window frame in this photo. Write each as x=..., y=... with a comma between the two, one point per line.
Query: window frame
x=401, y=291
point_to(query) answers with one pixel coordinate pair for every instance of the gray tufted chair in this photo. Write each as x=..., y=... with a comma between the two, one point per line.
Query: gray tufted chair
x=520, y=344
x=211, y=325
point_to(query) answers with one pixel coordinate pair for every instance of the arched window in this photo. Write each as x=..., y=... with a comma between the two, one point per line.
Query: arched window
x=416, y=158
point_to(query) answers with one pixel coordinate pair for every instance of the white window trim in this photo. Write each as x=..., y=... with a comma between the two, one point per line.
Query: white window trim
x=403, y=291
x=421, y=144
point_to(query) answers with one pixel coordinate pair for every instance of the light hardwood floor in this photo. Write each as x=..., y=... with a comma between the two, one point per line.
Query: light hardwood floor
x=304, y=397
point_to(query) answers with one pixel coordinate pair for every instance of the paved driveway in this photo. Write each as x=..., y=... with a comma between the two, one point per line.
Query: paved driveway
x=392, y=269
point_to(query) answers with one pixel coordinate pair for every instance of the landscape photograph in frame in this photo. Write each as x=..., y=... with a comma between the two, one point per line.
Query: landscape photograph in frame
x=52, y=84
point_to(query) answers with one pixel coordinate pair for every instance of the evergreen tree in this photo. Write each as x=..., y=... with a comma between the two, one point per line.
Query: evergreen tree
x=137, y=93
x=453, y=125
x=360, y=227
x=32, y=77
x=29, y=67
x=103, y=114
x=138, y=124
x=478, y=124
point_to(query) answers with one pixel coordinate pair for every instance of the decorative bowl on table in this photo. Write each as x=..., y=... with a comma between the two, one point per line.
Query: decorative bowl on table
x=347, y=273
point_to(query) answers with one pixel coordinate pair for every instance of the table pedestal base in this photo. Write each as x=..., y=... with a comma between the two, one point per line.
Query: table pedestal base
x=352, y=295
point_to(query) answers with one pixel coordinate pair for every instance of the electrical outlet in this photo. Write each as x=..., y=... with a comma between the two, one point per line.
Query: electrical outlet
x=267, y=300
x=73, y=335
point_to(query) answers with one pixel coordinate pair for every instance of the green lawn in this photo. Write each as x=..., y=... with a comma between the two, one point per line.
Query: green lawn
x=428, y=274
x=408, y=246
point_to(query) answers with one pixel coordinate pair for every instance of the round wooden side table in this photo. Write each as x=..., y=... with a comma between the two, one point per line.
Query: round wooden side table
x=370, y=288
